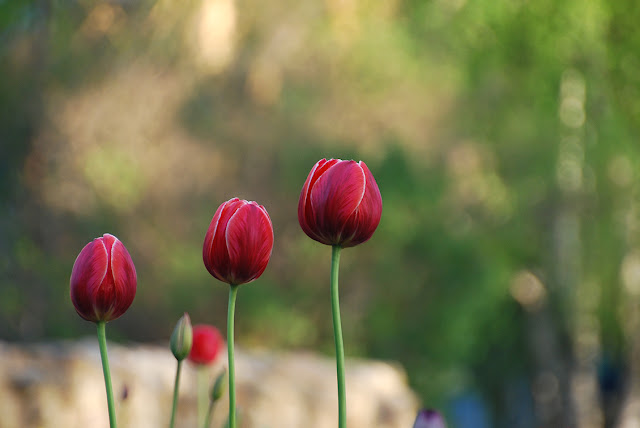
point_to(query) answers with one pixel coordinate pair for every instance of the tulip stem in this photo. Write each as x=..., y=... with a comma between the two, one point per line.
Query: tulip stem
x=233, y=291
x=202, y=381
x=175, y=395
x=102, y=342
x=337, y=334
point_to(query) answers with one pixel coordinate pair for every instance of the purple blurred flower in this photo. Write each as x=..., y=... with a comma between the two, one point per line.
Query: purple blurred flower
x=428, y=418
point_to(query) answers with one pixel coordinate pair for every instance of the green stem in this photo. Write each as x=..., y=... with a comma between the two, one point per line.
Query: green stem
x=175, y=395
x=203, y=393
x=207, y=422
x=233, y=291
x=337, y=334
x=102, y=342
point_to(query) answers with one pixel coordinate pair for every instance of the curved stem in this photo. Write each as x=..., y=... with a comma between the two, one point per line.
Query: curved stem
x=337, y=334
x=102, y=342
x=175, y=395
x=233, y=291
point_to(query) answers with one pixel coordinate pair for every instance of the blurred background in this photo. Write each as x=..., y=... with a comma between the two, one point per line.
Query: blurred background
x=503, y=134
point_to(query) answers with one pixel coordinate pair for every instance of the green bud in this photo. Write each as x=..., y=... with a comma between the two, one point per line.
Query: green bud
x=182, y=338
x=219, y=386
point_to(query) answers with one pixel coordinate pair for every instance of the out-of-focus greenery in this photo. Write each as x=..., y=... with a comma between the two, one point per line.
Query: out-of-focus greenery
x=503, y=135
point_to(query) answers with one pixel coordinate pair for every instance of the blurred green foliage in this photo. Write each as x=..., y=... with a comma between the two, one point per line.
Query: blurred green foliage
x=503, y=136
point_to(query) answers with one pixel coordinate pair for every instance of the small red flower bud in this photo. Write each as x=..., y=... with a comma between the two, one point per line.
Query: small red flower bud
x=103, y=280
x=207, y=344
x=340, y=203
x=238, y=243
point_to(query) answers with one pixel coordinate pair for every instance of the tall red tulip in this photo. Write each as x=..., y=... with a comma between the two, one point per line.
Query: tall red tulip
x=103, y=280
x=340, y=203
x=238, y=243
x=236, y=250
x=103, y=285
x=207, y=344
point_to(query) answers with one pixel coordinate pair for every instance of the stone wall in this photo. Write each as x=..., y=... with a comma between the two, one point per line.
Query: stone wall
x=61, y=385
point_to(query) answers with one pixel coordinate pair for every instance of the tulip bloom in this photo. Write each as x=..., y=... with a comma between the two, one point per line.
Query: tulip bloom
x=340, y=203
x=238, y=243
x=237, y=248
x=428, y=418
x=103, y=285
x=103, y=280
x=206, y=344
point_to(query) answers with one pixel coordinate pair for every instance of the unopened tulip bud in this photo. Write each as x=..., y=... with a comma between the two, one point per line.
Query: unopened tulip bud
x=340, y=203
x=103, y=280
x=219, y=386
x=238, y=242
x=182, y=338
x=428, y=418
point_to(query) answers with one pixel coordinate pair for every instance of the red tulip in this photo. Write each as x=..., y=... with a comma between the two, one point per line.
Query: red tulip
x=340, y=203
x=207, y=343
x=238, y=243
x=103, y=280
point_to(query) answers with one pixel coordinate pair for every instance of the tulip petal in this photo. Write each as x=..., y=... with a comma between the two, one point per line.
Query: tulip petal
x=302, y=202
x=124, y=277
x=217, y=257
x=249, y=241
x=104, y=299
x=207, y=248
x=306, y=215
x=366, y=217
x=335, y=196
x=89, y=271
